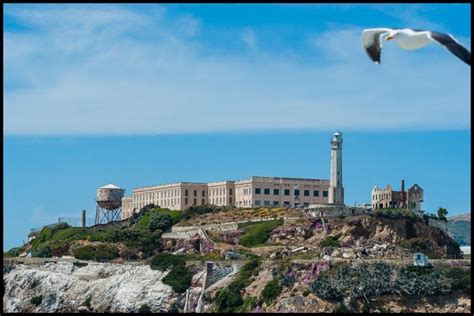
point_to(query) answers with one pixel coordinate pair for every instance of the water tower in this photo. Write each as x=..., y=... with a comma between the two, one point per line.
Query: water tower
x=109, y=204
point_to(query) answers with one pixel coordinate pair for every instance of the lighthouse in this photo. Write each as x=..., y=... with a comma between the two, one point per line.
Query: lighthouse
x=336, y=190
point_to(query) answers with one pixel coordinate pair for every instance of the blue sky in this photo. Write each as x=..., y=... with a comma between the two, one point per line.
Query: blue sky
x=214, y=92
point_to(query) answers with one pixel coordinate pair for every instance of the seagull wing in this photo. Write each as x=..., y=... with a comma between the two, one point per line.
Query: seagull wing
x=372, y=42
x=452, y=45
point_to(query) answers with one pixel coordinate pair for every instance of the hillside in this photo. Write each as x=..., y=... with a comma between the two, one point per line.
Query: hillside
x=459, y=228
x=283, y=263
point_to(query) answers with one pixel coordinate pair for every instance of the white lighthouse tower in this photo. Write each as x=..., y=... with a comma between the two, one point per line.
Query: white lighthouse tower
x=336, y=190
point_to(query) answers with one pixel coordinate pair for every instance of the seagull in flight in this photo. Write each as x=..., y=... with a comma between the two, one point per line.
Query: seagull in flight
x=410, y=39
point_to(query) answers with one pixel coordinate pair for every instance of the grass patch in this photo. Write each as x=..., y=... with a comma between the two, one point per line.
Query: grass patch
x=330, y=241
x=258, y=233
x=101, y=253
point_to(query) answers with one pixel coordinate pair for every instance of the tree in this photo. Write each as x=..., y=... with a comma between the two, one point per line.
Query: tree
x=160, y=221
x=442, y=212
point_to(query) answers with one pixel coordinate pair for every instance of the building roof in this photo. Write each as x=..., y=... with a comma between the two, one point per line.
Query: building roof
x=110, y=186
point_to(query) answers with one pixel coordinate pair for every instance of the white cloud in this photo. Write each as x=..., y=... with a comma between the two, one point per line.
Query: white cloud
x=125, y=72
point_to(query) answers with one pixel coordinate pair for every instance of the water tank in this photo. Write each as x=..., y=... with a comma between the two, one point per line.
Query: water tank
x=109, y=196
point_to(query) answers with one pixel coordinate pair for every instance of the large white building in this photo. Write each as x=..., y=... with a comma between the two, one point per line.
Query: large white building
x=253, y=192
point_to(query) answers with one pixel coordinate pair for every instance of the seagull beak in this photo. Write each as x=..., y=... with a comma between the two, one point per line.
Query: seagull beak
x=389, y=37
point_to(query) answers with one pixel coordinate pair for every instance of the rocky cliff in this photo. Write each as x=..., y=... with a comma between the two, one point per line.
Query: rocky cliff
x=91, y=287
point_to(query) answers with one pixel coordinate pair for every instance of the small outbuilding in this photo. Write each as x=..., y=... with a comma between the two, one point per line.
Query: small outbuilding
x=420, y=260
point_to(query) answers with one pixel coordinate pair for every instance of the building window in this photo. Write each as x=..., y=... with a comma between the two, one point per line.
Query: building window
x=186, y=201
x=202, y=201
x=276, y=203
x=325, y=193
x=287, y=192
x=266, y=191
x=203, y=194
x=276, y=192
x=306, y=192
x=257, y=202
x=194, y=202
x=297, y=192
x=230, y=191
x=186, y=194
x=266, y=203
x=316, y=193
x=195, y=192
x=230, y=200
x=286, y=203
x=257, y=190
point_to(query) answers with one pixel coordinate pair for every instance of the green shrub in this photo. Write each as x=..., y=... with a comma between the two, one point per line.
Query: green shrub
x=87, y=303
x=36, y=300
x=194, y=211
x=258, y=234
x=164, y=261
x=228, y=301
x=179, y=278
x=271, y=291
x=248, y=305
x=460, y=278
x=99, y=253
x=144, y=309
x=330, y=241
x=341, y=308
x=160, y=221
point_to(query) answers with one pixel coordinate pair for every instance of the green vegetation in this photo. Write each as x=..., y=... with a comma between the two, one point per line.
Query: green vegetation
x=161, y=221
x=150, y=216
x=164, y=261
x=271, y=291
x=257, y=233
x=248, y=305
x=194, y=211
x=330, y=241
x=230, y=300
x=442, y=212
x=144, y=309
x=143, y=234
x=36, y=300
x=179, y=278
x=377, y=279
x=341, y=308
x=87, y=303
x=395, y=213
x=99, y=253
